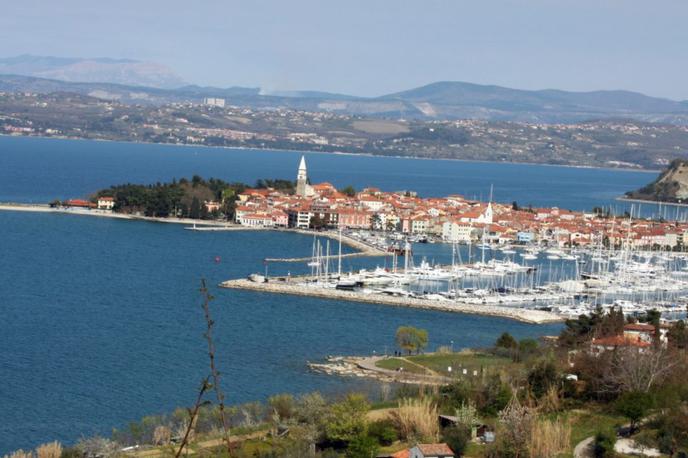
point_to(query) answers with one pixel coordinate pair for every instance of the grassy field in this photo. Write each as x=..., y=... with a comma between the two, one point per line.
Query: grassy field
x=439, y=363
x=394, y=364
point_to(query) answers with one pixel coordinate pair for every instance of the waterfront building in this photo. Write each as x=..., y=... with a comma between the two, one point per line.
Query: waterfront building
x=106, y=203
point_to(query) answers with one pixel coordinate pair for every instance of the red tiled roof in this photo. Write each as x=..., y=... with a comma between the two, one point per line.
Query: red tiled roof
x=640, y=327
x=620, y=341
x=435, y=449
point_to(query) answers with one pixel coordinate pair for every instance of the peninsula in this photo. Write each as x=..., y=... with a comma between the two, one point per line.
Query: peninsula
x=670, y=186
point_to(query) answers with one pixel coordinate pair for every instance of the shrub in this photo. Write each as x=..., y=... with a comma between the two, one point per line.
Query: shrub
x=541, y=377
x=506, y=340
x=457, y=437
x=634, y=406
x=603, y=445
x=362, y=446
x=282, y=405
x=347, y=419
x=383, y=431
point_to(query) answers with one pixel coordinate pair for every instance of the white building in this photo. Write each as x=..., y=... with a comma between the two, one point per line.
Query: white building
x=106, y=203
x=214, y=102
x=456, y=231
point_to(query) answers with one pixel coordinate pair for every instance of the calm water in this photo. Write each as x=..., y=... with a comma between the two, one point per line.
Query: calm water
x=39, y=170
x=101, y=319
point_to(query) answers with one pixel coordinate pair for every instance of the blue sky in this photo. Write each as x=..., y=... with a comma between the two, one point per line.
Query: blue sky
x=372, y=47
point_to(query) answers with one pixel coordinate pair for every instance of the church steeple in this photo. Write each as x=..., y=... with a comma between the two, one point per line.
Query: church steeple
x=303, y=172
x=302, y=187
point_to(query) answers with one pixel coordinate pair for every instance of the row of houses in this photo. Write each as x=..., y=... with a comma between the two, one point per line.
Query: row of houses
x=452, y=218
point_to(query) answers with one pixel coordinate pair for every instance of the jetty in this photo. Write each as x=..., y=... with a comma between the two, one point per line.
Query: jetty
x=298, y=287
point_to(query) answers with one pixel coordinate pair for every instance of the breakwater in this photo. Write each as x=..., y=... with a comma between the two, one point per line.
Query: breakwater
x=294, y=287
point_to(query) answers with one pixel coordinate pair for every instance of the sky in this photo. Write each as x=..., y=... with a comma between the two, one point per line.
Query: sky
x=372, y=47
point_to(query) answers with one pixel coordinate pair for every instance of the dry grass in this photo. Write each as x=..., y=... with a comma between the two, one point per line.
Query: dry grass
x=549, y=438
x=50, y=450
x=550, y=401
x=416, y=419
x=19, y=454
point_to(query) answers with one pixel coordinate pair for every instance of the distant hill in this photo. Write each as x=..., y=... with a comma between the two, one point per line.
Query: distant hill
x=458, y=99
x=93, y=70
x=670, y=186
x=437, y=101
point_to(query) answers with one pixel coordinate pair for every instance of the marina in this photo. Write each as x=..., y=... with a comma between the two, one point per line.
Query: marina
x=527, y=283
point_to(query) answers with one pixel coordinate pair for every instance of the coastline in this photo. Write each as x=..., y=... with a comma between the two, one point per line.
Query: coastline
x=275, y=287
x=338, y=153
x=363, y=249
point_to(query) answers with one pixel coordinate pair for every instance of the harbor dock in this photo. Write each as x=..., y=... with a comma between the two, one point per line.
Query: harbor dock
x=297, y=287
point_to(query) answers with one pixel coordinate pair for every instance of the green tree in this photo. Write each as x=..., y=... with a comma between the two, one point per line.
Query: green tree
x=603, y=445
x=678, y=335
x=383, y=431
x=493, y=396
x=195, y=210
x=542, y=376
x=347, y=419
x=527, y=347
x=282, y=405
x=411, y=339
x=317, y=222
x=457, y=437
x=349, y=191
x=507, y=341
x=362, y=446
x=633, y=405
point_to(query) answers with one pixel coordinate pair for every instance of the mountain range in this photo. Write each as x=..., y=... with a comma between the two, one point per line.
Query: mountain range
x=136, y=82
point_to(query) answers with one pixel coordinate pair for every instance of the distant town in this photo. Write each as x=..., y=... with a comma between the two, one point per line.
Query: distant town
x=451, y=219
x=216, y=122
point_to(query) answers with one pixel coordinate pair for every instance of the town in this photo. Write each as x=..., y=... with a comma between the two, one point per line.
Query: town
x=452, y=219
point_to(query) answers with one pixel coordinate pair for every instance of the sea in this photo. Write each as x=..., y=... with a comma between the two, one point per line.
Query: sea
x=101, y=318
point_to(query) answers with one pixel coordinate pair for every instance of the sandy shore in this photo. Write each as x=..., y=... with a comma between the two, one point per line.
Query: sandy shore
x=295, y=288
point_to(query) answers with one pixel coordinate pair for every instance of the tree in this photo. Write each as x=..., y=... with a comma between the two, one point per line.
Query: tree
x=507, y=341
x=493, y=396
x=514, y=206
x=411, y=339
x=633, y=369
x=603, y=445
x=317, y=222
x=542, y=377
x=195, y=210
x=362, y=446
x=457, y=437
x=678, y=335
x=634, y=406
x=282, y=405
x=349, y=191
x=527, y=347
x=383, y=431
x=347, y=419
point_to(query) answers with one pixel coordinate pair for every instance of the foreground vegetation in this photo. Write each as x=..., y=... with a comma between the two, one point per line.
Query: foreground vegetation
x=516, y=399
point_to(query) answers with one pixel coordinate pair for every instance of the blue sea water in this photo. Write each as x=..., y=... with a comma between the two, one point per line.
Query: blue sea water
x=101, y=320
x=39, y=170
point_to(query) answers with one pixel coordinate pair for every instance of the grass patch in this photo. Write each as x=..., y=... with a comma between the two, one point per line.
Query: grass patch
x=394, y=364
x=586, y=423
x=440, y=363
